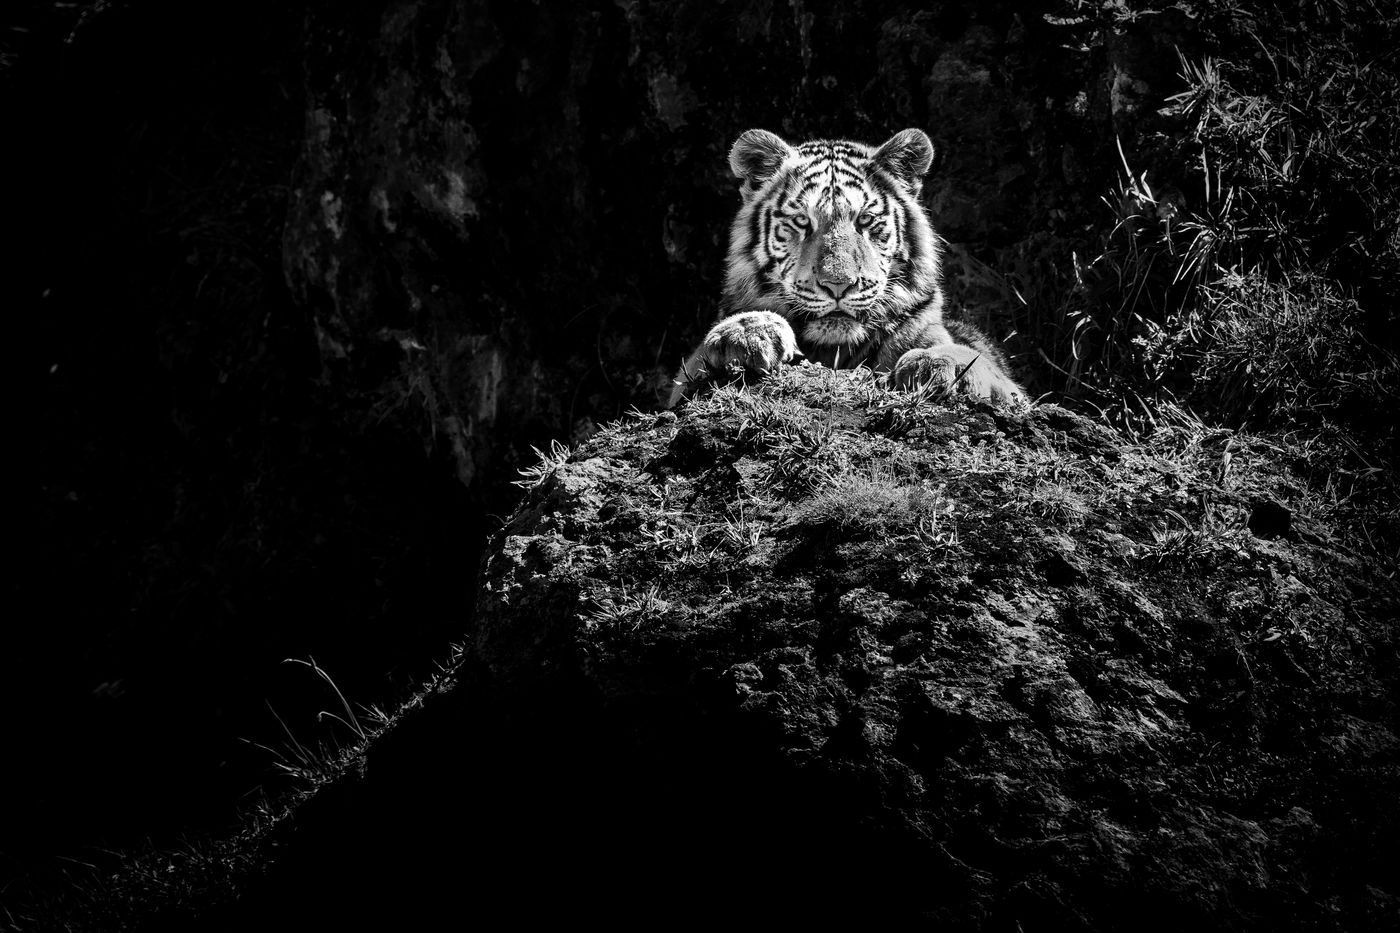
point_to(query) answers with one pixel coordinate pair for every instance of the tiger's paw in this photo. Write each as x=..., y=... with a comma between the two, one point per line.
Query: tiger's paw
x=755, y=340
x=753, y=343
x=950, y=368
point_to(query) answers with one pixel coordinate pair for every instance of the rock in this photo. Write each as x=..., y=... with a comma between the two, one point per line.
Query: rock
x=809, y=653
x=889, y=637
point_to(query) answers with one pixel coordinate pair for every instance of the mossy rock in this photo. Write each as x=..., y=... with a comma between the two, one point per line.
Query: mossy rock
x=928, y=658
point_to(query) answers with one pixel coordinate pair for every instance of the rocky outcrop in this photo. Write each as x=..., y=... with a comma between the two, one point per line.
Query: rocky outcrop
x=994, y=669
x=815, y=652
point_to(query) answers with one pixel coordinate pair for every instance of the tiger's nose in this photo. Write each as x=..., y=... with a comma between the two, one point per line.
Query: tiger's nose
x=835, y=287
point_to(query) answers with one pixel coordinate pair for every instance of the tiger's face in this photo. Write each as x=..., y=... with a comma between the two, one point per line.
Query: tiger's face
x=831, y=234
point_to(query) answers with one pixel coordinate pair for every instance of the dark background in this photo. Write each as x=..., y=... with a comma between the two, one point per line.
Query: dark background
x=195, y=501
x=292, y=289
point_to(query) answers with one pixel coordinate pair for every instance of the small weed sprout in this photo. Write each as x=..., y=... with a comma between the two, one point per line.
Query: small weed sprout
x=329, y=757
x=349, y=720
x=800, y=462
x=294, y=758
x=626, y=612
x=742, y=533
x=938, y=529
x=1188, y=544
x=1058, y=503
x=702, y=545
x=557, y=456
x=761, y=420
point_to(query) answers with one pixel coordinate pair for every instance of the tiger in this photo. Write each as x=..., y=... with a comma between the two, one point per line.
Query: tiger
x=832, y=256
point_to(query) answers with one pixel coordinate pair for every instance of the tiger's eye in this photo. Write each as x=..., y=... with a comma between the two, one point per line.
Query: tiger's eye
x=864, y=221
x=801, y=221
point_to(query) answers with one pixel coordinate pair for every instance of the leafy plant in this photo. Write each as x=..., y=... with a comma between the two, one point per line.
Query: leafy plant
x=1260, y=288
x=1286, y=351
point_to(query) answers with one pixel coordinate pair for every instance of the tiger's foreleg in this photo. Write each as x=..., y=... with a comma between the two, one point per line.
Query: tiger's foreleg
x=948, y=358
x=955, y=367
x=756, y=341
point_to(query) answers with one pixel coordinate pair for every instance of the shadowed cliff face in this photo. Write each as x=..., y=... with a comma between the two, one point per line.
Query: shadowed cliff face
x=513, y=216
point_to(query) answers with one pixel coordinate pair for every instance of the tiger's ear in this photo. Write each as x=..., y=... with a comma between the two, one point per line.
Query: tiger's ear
x=756, y=157
x=907, y=156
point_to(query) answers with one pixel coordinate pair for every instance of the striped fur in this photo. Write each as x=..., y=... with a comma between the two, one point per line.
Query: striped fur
x=831, y=253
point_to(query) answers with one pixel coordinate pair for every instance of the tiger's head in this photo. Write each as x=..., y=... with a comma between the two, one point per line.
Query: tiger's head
x=831, y=234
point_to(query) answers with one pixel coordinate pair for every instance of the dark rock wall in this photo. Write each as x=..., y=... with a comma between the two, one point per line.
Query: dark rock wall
x=192, y=500
x=514, y=216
